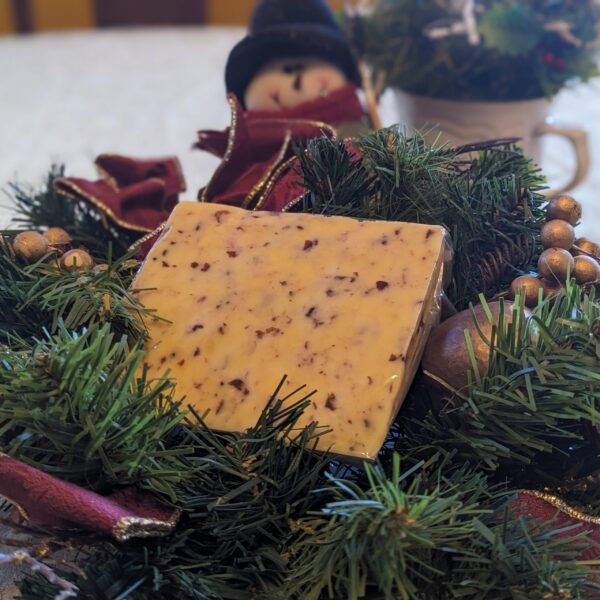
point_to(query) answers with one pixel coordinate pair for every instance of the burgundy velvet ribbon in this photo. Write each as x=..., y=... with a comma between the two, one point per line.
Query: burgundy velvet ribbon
x=137, y=195
x=258, y=170
x=546, y=508
x=45, y=501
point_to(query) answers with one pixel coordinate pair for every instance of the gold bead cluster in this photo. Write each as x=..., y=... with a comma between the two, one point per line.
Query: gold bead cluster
x=53, y=246
x=564, y=255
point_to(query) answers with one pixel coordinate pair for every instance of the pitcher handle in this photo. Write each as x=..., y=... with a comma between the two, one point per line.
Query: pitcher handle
x=579, y=139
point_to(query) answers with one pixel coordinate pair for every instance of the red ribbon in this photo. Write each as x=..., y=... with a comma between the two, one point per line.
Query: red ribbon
x=48, y=502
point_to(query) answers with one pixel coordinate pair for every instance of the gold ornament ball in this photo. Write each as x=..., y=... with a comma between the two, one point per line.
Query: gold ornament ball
x=446, y=360
x=586, y=270
x=565, y=208
x=585, y=247
x=528, y=287
x=31, y=246
x=76, y=259
x=57, y=237
x=558, y=234
x=556, y=263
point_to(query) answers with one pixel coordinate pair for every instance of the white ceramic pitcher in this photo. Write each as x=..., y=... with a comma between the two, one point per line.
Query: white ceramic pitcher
x=459, y=123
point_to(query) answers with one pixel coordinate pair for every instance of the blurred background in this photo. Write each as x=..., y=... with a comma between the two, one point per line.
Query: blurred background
x=25, y=16
x=140, y=77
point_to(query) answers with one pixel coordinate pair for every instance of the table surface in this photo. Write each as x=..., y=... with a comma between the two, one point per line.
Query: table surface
x=67, y=97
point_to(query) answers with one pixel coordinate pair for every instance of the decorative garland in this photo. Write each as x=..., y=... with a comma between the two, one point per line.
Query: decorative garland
x=262, y=515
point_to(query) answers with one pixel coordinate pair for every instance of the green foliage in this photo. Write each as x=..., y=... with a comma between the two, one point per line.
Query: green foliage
x=36, y=298
x=382, y=537
x=531, y=415
x=245, y=493
x=514, y=29
x=492, y=201
x=265, y=516
x=240, y=503
x=81, y=408
x=520, y=55
x=410, y=538
x=43, y=208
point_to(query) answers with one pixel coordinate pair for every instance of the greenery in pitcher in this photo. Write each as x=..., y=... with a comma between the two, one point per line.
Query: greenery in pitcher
x=484, y=49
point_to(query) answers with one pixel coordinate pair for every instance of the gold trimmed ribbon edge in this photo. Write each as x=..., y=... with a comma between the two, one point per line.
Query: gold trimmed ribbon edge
x=98, y=204
x=127, y=528
x=149, y=236
x=229, y=150
x=264, y=180
x=19, y=508
x=562, y=506
x=273, y=180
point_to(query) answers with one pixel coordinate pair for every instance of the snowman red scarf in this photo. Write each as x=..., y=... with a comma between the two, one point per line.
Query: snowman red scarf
x=257, y=151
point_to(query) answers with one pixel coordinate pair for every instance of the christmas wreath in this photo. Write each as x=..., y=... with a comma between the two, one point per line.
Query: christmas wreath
x=489, y=490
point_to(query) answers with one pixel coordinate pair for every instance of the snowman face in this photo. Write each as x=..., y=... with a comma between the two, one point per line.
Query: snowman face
x=285, y=83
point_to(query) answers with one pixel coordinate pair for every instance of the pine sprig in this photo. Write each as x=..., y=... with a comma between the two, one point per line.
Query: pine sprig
x=80, y=407
x=492, y=200
x=36, y=298
x=532, y=413
x=403, y=538
x=246, y=492
x=239, y=504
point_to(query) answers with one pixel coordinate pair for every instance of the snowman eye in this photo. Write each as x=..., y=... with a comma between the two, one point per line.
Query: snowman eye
x=291, y=69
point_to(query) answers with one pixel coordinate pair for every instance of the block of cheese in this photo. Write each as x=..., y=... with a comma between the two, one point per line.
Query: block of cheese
x=340, y=305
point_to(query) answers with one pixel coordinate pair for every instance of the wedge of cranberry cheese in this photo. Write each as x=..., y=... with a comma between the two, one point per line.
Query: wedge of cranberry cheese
x=340, y=305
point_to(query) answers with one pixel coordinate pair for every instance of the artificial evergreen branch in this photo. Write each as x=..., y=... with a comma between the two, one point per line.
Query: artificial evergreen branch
x=533, y=412
x=240, y=502
x=46, y=208
x=35, y=298
x=81, y=408
x=484, y=203
x=401, y=538
x=264, y=516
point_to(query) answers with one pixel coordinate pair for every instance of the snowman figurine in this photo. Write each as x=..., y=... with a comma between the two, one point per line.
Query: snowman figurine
x=292, y=78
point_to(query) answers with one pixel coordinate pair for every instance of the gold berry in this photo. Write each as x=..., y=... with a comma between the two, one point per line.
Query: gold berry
x=31, y=246
x=556, y=263
x=586, y=270
x=76, y=259
x=558, y=234
x=528, y=287
x=584, y=246
x=564, y=207
x=57, y=237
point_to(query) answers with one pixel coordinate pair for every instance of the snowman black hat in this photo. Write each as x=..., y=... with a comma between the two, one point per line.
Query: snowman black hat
x=288, y=29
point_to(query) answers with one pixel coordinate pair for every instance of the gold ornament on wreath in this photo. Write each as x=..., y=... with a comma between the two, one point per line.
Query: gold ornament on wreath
x=447, y=360
x=564, y=256
x=54, y=247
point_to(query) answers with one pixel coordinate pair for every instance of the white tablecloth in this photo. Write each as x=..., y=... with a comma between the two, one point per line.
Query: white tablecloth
x=67, y=97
